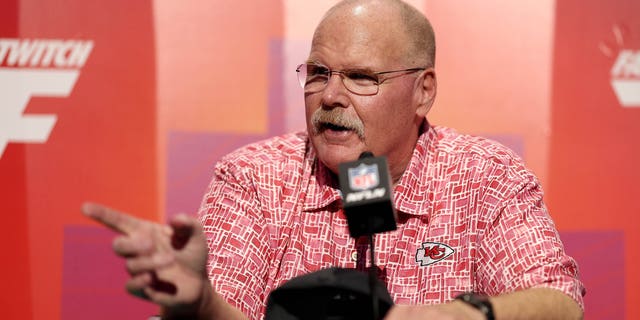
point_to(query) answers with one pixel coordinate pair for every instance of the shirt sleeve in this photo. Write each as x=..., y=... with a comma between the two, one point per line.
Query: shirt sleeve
x=522, y=249
x=237, y=237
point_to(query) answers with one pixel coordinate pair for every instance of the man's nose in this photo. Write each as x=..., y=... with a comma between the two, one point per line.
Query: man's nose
x=335, y=93
x=335, y=78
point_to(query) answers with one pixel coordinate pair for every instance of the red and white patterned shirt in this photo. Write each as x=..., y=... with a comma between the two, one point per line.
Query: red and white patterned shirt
x=470, y=218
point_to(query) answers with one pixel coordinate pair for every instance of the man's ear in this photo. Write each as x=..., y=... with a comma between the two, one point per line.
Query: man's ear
x=427, y=92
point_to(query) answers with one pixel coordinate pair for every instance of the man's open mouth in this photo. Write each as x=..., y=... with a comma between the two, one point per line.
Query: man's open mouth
x=333, y=127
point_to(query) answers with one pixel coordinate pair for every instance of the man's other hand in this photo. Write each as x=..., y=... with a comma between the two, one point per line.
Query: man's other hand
x=167, y=263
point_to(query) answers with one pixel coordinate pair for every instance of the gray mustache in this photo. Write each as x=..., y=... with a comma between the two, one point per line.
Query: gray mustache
x=336, y=117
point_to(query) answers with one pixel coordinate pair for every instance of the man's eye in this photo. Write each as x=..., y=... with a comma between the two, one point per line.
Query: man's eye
x=317, y=71
x=361, y=76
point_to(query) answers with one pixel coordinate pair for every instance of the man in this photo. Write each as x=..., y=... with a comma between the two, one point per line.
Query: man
x=273, y=210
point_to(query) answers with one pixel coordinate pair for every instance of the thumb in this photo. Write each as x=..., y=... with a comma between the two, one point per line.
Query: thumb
x=184, y=228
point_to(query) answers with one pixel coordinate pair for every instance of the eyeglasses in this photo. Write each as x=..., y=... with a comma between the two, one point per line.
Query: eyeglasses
x=314, y=78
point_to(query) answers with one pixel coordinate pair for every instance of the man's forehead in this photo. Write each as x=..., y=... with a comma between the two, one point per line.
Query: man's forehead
x=350, y=54
x=360, y=36
x=367, y=15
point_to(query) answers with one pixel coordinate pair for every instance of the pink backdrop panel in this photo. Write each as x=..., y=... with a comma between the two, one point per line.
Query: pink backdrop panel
x=494, y=70
x=213, y=76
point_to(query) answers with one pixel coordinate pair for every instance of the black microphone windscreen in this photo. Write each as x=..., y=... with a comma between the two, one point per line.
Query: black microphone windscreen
x=367, y=195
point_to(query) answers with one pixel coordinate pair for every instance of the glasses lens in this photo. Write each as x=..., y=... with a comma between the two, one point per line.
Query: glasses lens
x=313, y=77
x=301, y=72
x=360, y=82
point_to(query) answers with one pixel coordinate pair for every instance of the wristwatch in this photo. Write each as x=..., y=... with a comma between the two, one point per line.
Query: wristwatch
x=479, y=302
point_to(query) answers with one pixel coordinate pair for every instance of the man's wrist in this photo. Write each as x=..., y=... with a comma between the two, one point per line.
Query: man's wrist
x=479, y=302
x=200, y=308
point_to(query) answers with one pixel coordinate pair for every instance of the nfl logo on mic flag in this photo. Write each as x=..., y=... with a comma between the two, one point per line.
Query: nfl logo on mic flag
x=364, y=177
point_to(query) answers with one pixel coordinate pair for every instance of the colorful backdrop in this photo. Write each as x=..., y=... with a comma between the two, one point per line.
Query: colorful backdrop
x=130, y=103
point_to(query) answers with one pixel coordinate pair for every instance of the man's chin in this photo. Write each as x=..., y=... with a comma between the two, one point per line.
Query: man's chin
x=333, y=155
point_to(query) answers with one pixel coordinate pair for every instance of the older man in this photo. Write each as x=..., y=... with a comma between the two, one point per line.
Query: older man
x=273, y=210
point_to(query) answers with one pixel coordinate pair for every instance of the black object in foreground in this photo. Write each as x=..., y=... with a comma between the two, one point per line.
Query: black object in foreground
x=328, y=294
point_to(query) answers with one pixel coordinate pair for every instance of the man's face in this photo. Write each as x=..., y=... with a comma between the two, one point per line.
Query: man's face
x=389, y=119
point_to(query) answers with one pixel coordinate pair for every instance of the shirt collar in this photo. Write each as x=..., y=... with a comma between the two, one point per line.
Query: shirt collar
x=322, y=190
x=412, y=193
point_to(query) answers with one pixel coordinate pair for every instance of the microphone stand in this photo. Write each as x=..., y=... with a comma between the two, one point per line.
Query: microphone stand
x=373, y=274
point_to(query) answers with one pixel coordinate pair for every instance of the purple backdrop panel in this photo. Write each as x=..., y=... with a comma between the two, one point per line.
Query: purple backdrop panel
x=276, y=104
x=296, y=52
x=512, y=141
x=93, y=279
x=600, y=256
x=190, y=160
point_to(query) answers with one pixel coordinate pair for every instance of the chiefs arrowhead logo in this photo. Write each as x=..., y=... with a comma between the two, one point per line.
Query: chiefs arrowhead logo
x=432, y=252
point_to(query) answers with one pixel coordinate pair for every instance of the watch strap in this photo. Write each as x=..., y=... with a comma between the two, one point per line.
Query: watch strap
x=479, y=302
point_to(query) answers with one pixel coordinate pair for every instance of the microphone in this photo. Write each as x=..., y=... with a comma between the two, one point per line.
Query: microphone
x=367, y=195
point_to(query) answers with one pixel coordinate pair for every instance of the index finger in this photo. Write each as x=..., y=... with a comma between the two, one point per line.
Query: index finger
x=117, y=221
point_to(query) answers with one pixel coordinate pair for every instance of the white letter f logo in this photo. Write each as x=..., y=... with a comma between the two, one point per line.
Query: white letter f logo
x=17, y=86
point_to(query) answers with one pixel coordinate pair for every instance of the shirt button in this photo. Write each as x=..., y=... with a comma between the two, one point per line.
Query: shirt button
x=354, y=256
